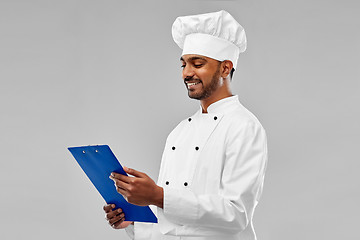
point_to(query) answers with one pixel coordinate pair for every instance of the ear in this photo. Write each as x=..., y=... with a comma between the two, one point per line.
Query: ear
x=226, y=68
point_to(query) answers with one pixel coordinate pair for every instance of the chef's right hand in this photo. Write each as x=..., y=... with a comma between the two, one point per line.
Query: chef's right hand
x=115, y=217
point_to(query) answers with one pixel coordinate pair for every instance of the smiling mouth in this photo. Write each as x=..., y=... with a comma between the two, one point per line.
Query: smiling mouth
x=192, y=84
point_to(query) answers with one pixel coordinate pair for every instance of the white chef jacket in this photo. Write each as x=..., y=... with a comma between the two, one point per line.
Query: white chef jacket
x=212, y=172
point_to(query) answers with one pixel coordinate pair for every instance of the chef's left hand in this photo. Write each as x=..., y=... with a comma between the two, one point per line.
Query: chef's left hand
x=140, y=190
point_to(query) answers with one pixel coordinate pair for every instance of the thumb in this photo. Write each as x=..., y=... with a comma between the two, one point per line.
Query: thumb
x=134, y=172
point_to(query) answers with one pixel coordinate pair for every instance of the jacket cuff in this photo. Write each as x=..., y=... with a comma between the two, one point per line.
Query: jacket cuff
x=180, y=206
x=130, y=231
x=142, y=231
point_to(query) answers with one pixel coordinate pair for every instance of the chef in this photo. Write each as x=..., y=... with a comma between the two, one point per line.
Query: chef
x=213, y=165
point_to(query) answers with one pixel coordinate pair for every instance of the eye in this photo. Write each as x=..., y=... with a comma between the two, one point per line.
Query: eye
x=198, y=65
x=182, y=66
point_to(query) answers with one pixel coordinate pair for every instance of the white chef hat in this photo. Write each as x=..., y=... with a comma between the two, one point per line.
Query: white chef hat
x=215, y=35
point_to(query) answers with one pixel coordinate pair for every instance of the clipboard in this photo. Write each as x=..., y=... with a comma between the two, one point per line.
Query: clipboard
x=98, y=162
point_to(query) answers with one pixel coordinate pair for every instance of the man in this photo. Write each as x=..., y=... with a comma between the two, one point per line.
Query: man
x=213, y=165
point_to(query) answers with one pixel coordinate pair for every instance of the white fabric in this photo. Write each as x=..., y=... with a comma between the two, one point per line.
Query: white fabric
x=212, y=47
x=224, y=176
x=216, y=35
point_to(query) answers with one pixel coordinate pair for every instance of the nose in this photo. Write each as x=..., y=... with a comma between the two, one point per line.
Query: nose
x=187, y=72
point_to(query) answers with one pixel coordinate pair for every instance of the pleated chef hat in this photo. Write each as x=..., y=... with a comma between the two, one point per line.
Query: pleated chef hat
x=215, y=35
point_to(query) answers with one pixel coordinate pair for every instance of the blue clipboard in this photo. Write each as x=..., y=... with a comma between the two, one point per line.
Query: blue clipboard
x=98, y=162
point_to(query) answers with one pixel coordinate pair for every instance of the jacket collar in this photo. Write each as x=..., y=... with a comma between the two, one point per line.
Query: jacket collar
x=223, y=105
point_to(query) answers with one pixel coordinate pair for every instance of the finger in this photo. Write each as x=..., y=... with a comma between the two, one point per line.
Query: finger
x=116, y=218
x=122, y=192
x=118, y=223
x=120, y=184
x=134, y=172
x=118, y=176
x=107, y=208
x=112, y=214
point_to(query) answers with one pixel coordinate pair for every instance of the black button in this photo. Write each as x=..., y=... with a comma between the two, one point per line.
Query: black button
x=215, y=117
x=173, y=148
x=185, y=184
x=167, y=183
x=196, y=148
x=189, y=119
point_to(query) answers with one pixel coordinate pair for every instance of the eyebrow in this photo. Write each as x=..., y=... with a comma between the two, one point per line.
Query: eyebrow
x=193, y=58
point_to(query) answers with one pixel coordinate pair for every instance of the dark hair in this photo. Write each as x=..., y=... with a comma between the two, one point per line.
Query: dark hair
x=231, y=73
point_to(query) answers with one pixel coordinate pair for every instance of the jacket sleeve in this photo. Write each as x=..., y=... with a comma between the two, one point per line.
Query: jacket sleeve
x=242, y=176
x=140, y=231
x=130, y=230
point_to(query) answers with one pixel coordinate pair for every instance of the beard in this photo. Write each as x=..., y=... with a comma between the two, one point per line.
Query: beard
x=206, y=91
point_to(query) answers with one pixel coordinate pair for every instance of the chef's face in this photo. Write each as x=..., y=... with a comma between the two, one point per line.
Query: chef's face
x=201, y=75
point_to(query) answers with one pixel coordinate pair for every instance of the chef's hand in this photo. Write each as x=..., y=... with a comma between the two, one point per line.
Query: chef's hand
x=115, y=217
x=140, y=190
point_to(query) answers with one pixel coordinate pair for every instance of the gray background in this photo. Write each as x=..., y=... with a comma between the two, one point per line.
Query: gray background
x=108, y=72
